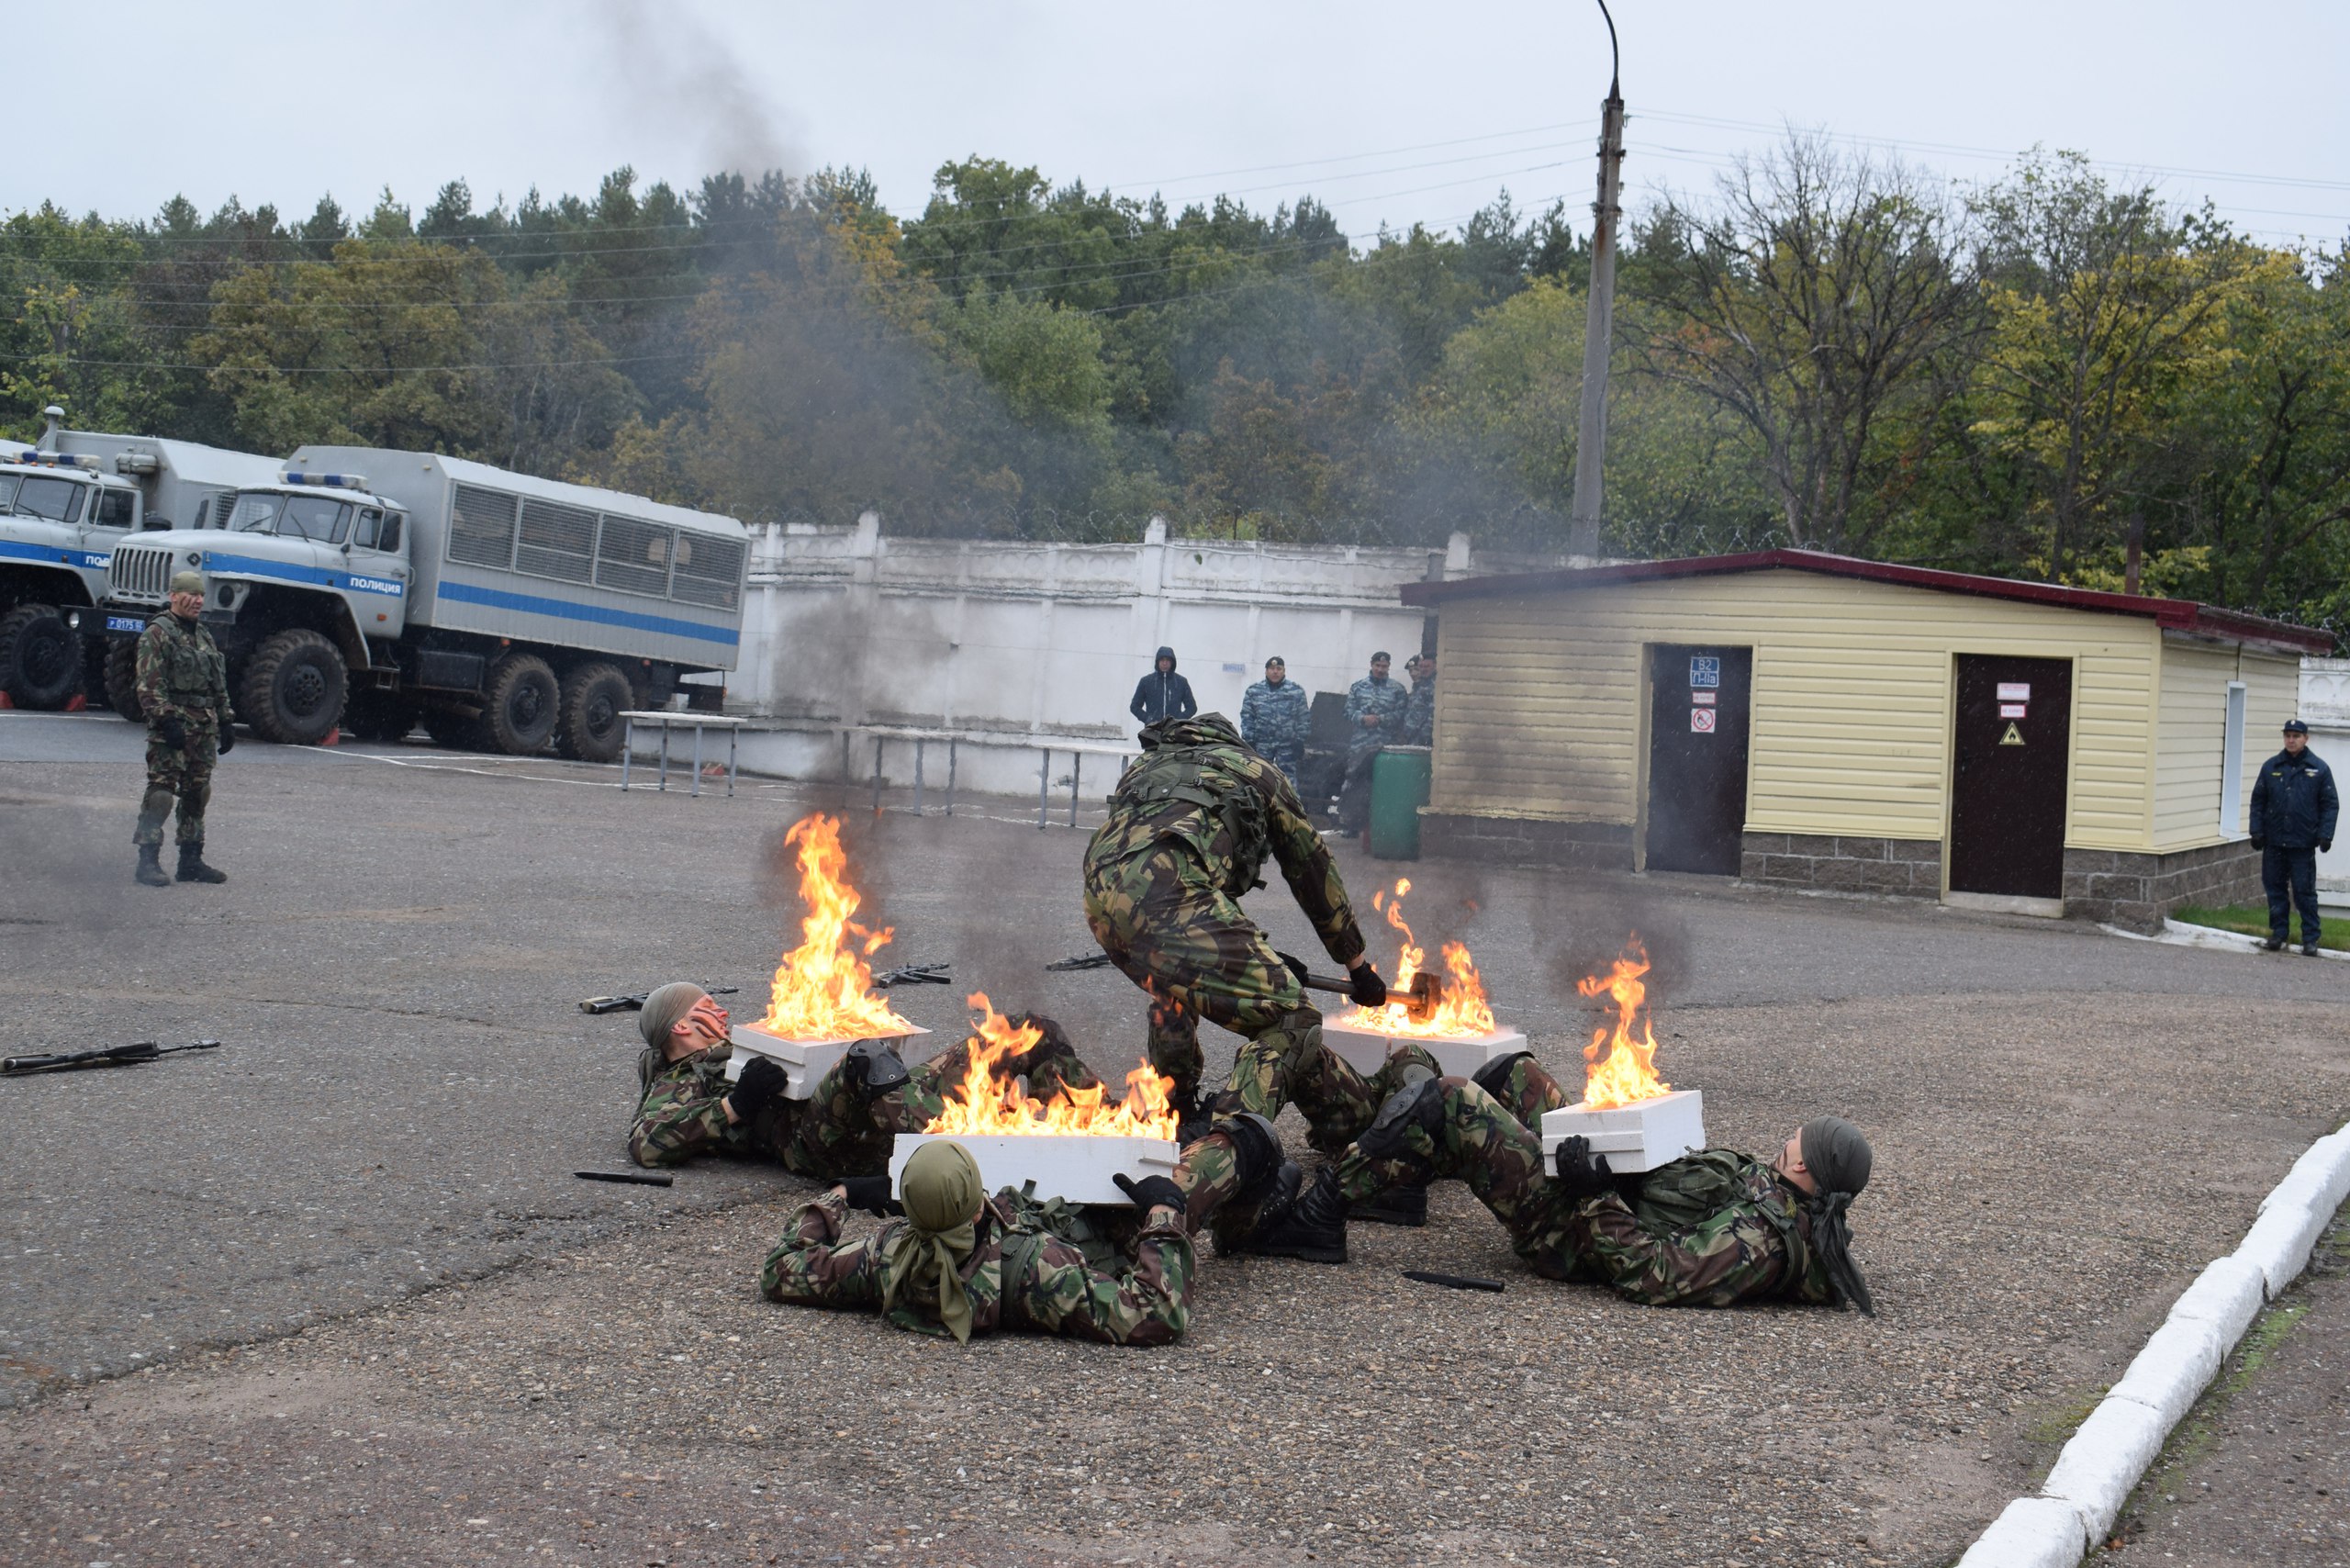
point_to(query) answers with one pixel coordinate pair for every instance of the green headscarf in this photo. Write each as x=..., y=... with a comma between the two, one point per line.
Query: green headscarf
x=943, y=1195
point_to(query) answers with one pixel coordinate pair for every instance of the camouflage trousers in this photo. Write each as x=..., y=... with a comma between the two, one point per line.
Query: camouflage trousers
x=836, y=1132
x=181, y=776
x=1194, y=951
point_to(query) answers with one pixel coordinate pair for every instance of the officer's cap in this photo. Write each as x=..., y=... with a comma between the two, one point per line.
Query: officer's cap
x=2295, y=727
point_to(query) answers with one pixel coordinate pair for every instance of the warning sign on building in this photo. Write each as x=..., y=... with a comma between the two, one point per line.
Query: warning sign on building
x=2013, y=737
x=1701, y=721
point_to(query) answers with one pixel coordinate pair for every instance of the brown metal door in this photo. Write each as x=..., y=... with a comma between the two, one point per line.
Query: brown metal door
x=2007, y=803
x=1698, y=699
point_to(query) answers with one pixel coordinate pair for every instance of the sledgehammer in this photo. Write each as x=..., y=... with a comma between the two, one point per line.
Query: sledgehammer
x=1419, y=1002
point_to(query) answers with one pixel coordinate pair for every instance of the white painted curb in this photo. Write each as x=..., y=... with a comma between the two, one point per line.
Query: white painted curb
x=2180, y=934
x=2109, y=1455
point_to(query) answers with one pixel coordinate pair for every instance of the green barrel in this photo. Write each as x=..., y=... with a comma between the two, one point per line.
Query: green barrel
x=1399, y=788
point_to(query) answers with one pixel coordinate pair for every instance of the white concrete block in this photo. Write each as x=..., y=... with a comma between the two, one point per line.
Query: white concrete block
x=2228, y=1295
x=2278, y=1243
x=2102, y=1463
x=2323, y=1170
x=1635, y=1137
x=2176, y=1366
x=804, y=1062
x=1062, y=1165
x=1366, y=1051
x=2031, y=1532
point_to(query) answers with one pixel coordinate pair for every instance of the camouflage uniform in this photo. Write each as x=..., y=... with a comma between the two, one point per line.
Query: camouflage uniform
x=1189, y=826
x=181, y=676
x=1419, y=713
x=834, y=1133
x=1276, y=721
x=1747, y=1240
x=1015, y=1280
x=1388, y=700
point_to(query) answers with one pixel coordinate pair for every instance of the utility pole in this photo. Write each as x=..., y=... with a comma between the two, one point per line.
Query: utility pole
x=1599, y=324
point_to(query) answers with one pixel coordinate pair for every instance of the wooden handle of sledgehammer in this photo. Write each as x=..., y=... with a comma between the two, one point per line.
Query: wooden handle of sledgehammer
x=1419, y=1001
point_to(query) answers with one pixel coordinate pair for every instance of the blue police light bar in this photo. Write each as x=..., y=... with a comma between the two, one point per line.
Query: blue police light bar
x=332, y=481
x=55, y=460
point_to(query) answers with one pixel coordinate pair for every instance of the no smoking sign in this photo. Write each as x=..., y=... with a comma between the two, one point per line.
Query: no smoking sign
x=1701, y=721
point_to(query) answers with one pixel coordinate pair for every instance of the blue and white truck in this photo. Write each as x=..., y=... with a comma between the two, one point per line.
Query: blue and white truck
x=371, y=589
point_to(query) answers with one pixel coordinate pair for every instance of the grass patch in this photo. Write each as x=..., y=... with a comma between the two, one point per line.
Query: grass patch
x=2251, y=920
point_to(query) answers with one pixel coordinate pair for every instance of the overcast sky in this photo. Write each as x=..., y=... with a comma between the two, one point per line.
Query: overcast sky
x=1390, y=112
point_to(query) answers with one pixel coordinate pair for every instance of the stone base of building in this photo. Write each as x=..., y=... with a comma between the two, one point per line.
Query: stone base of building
x=2120, y=887
x=1526, y=841
x=1906, y=868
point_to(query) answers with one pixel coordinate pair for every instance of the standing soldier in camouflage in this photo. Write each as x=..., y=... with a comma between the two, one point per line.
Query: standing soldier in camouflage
x=846, y=1127
x=183, y=691
x=1709, y=1230
x=1276, y=718
x=1419, y=713
x=1375, y=707
x=1190, y=827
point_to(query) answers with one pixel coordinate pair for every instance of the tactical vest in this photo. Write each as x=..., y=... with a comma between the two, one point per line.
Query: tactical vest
x=1189, y=775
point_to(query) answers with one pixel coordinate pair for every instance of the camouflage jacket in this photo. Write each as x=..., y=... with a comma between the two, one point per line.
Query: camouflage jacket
x=1275, y=720
x=1419, y=715
x=181, y=673
x=1754, y=1243
x=1053, y=1291
x=682, y=1116
x=1223, y=845
x=1388, y=700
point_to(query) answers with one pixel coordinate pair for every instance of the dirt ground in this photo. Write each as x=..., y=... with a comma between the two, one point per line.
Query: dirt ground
x=332, y=1296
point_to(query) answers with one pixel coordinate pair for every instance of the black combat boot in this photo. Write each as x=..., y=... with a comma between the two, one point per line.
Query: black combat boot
x=151, y=866
x=1315, y=1229
x=1405, y=1203
x=191, y=866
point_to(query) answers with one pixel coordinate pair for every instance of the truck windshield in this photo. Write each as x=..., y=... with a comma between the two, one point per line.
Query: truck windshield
x=38, y=495
x=319, y=519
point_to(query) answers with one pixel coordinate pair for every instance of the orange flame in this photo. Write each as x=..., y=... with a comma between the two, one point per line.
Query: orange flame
x=990, y=1100
x=824, y=988
x=1627, y=1071
x=1461, y=1014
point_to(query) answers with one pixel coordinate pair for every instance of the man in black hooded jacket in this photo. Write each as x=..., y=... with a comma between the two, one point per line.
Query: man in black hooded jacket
x=1162, y=694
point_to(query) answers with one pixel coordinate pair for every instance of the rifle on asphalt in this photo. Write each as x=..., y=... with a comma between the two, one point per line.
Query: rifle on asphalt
x=1079, y=961
x=634, y=1001
x=913, y=974
x=107, y=1055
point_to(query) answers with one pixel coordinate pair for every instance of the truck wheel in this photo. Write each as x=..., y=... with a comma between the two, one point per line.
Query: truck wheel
x=451, y=727
x=519, y=706
x=379, y=716
x=293, y=690
x=41, y=658
x=122, y=681
x=590, y=727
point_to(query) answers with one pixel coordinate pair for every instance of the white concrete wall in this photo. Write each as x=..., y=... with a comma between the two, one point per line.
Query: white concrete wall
x=2325, y=708
x=1036, y=643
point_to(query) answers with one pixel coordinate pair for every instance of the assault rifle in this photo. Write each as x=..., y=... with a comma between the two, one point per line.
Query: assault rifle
x=913, y=974
x=634, y=1002
x=1081, y=962
x=107, y=1055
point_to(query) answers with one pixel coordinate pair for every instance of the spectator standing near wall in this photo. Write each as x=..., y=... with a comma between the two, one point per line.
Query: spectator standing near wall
x=1419, y=713
x=1375, y=707
x=1162, y=694
x=2294, y=810
x=1275, y=719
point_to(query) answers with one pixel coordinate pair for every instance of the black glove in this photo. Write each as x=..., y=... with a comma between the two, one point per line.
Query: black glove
x=1150, y=1192
x=871, y=1194
x=1296, y=965
x=2259, y=843
x=2325, y=846
x=761, y=1082
x=1365, y=988
x=173, y=732
x=227, y=739
x=1582, y=1174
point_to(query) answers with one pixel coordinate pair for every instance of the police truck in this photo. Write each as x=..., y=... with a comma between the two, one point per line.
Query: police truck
x=370, y=589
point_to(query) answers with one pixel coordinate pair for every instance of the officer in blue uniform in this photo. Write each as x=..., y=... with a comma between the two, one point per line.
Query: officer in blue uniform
x=2294, y=806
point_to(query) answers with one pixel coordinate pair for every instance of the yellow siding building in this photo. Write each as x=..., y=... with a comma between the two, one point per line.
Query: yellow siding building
x=1817, y=721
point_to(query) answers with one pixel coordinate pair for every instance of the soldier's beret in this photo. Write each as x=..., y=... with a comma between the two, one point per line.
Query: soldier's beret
x=188, y=582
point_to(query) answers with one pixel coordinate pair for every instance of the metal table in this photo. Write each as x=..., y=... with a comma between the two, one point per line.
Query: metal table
x=668, y=721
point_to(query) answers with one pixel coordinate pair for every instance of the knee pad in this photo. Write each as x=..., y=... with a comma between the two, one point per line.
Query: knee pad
x=1493, y=1077
x=1419, y=1105
x=1256, y=1147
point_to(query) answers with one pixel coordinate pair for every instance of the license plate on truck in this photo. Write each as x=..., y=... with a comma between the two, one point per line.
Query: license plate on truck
x=131, y=624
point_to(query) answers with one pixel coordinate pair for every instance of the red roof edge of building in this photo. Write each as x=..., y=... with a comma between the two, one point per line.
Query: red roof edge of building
x=2172, y=614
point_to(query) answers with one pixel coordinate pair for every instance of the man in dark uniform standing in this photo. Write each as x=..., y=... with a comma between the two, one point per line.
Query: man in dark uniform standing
x=184, y=689
x=2294, y=805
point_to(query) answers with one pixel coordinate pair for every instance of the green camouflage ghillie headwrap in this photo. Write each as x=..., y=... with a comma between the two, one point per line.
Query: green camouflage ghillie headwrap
x=923, y=1263
x=1839, y=1158
x=664, y=1009
x=1200, y=729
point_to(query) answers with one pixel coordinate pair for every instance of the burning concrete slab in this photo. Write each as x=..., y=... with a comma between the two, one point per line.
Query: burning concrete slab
x=1635, y=1137
x=805, y=1061
x=1075, y=1167
x=1462, y=1035
x=1365, y=1049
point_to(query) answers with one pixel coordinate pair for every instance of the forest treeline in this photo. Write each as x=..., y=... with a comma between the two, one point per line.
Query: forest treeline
x=1827, y=349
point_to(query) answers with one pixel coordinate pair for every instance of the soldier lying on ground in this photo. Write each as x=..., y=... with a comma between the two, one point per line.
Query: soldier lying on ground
x=963, y=1263
x=1711, y=1229
x=1190, y=827
x=844, y=1129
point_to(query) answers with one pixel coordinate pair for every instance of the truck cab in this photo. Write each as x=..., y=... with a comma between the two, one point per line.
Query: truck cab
x=306, y=584
x=60, y=521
